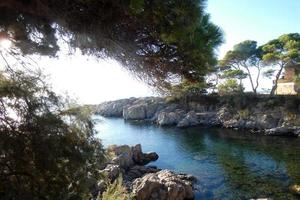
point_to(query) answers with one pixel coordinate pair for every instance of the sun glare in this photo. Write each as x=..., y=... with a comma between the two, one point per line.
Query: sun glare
x=5, y=43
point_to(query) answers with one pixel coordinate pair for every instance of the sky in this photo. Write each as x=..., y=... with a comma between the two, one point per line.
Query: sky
x=259, y=20
x=91, y=81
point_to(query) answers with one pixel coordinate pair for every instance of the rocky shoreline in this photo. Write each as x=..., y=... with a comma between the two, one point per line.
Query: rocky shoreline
x=256, y=117
x=143, y=182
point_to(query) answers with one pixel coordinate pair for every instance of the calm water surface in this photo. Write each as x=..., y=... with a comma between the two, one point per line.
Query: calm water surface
x=228, y=164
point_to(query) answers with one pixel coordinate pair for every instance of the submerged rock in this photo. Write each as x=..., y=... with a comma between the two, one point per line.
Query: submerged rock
x=163, y=185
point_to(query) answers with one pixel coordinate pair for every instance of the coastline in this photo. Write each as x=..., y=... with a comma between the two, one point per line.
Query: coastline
x=269, y=116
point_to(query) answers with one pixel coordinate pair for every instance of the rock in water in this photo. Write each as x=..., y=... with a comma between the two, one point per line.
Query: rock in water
x=163, y=185
x=141, y=158
x=127, y=156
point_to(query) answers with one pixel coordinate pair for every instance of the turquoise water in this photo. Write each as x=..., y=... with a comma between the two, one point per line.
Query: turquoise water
x=228, y=164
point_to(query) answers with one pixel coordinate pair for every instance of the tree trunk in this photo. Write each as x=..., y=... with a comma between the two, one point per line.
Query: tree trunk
x=251, y=81
x=257, y=78
x=276, y=80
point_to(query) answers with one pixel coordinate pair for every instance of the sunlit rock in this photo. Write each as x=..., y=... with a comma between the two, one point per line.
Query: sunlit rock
x=163, y=185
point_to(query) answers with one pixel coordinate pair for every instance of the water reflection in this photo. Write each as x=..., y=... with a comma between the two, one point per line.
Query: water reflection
x=228, y=164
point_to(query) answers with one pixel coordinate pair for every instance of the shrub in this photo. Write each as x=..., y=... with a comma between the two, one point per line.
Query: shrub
x=116, y=191
x=47, y=149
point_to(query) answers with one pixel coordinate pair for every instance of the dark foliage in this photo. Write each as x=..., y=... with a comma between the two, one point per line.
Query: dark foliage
x=154, y=39
x=47, y=150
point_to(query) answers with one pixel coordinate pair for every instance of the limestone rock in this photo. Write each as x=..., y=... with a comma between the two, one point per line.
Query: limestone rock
x=163, y=185
x=112, y=171
x=208, y=119
x=138, y=171
x=191, y=119
x=113, y=108
x=170, y=118
x=123, y=156
x=127, y=156
x=141, y=158
x=135, y=112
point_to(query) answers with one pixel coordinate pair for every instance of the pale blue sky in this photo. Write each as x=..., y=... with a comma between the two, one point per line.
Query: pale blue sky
x=260, y=20
x=93, y=82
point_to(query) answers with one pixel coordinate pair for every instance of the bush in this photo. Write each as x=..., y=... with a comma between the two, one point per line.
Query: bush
x=47, y=149
x=116, y=191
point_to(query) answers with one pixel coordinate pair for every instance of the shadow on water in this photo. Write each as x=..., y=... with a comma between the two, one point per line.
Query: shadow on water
x=228, y=164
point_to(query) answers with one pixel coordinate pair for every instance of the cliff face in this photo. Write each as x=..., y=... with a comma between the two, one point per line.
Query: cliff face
x=273, y=116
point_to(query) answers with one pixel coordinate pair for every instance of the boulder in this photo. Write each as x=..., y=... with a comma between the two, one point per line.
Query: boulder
x=170, y=118
x=163, y=185
x=149, y=157
x=122, y=156
x=112, y=171
x=126, y=156
x=135, y=112
x=141, y=158
x=191, y=119
x=123, y=160
x=118, y=150
x=138, y=171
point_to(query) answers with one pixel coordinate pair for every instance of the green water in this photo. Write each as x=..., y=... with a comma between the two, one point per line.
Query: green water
x=228, y=164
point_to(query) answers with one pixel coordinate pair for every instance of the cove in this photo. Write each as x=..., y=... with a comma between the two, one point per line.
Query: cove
x=228, y=164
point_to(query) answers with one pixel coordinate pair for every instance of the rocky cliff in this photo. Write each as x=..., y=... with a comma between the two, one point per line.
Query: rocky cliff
x=272, y=116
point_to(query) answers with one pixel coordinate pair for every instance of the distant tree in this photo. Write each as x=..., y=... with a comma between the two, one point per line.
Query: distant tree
x=153, y=39
x=234, y=74
x=281, y=52
x=230, y=87
x=47, y=149
x=238, y=62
